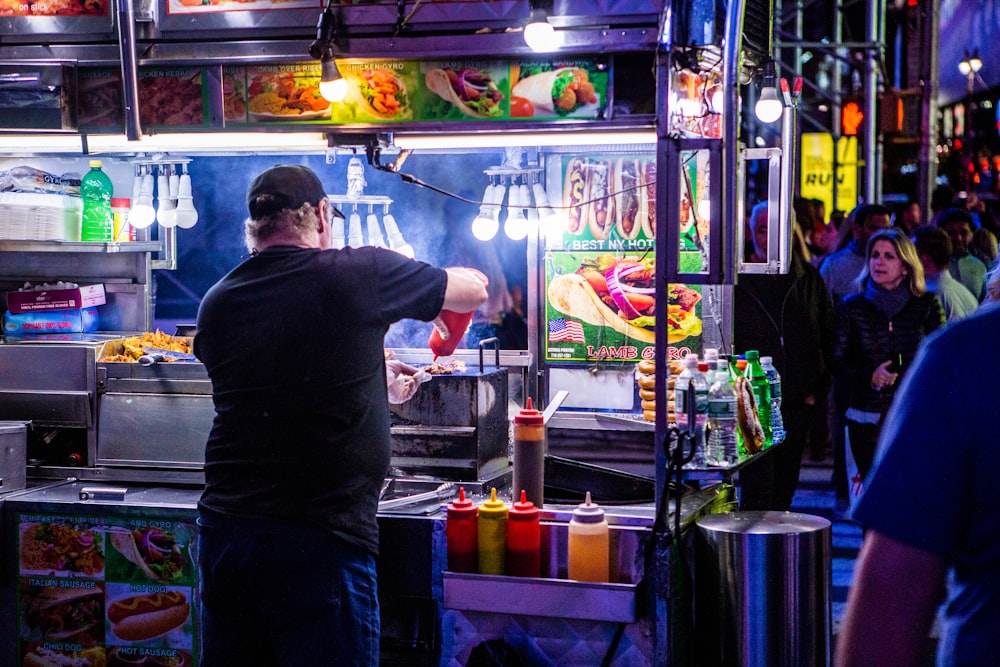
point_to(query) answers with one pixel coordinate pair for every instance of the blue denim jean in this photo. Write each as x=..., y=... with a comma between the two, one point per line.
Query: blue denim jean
x=278, y=594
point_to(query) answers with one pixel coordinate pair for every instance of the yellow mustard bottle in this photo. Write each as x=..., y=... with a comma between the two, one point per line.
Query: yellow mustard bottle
x=493, y=535
x=589, y=543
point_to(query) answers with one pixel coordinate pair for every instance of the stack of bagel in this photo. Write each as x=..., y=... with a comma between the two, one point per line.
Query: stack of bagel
x=645, y=378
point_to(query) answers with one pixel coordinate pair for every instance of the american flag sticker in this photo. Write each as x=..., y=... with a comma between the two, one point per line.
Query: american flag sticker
x=561, y=330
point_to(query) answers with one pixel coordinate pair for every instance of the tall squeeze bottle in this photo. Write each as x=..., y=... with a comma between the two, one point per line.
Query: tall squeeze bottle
x=524, y=539
x=96, y=191
x=529, y=454
x=462, y=534
x=492, y=538
x=589, y=544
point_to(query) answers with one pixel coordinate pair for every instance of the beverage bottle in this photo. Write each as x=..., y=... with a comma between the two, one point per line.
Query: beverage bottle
x=492, y=537
x=761, y=389
x=96, y=191
x=462, y=534
x=723, y=441
x=774, y=381
x=589, y=544
x=529, y=454
x=692, y=379
x=524, y=539
x=711, y=356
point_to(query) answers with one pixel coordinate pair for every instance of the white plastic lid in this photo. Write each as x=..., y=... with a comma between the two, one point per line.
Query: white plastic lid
x=691, y=361
x=711, y=354
x=588, y=512
x=765, y=361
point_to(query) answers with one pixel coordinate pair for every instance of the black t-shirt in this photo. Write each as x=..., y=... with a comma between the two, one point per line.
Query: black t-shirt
x=292, y=340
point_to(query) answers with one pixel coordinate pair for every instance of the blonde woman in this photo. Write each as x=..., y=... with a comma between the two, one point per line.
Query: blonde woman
x=878, y=332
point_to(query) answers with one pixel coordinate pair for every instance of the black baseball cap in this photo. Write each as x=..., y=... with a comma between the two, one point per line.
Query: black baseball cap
x=283, y=186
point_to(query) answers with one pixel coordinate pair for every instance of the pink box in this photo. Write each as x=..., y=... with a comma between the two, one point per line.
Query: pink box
x=31, y=301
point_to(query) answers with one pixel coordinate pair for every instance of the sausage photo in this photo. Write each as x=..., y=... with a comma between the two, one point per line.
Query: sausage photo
x=627, y=182
x=575, y=194
x=600, y=209
x=647, y=197
x=148, y=615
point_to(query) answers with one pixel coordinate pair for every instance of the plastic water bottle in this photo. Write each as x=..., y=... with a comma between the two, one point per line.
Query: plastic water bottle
x=712, y=359
x=723, y=447
x=774, y=381
x=692, y=379
x=761, y=388
x=96, y=191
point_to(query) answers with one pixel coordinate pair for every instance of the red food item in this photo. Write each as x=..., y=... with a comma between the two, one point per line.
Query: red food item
x=521, y=107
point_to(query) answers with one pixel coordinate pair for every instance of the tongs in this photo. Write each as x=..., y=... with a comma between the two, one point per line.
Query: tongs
x=445, y=490
x=154, y=355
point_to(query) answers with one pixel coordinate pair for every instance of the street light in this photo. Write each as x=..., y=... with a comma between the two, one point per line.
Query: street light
x=969, y=67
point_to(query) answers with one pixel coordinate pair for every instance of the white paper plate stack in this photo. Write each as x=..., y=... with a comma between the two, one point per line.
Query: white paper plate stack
x=26, y=216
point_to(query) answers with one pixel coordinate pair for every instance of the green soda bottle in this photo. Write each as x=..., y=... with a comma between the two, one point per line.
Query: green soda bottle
x=761, y=388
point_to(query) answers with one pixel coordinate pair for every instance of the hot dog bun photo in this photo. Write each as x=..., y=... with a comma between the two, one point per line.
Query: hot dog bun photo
x=647, y=198
x=575, y=194
x=39, y=655
x=628, y=181
x=600, y=209
x=149, y=615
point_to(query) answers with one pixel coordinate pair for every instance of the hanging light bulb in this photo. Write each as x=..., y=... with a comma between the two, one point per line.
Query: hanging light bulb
x=332, y=85
x=374, y=231
x=166, y=208
x=485, y=225
x=143, y=214
x=516, y=225
x=187, y=216
x=396, y=241
x=768, y=107
x=539, y=34
x=336, y=232
x=354, y=237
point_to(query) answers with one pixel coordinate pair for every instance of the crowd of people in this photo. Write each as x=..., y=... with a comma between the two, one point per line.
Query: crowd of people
x=908, y=435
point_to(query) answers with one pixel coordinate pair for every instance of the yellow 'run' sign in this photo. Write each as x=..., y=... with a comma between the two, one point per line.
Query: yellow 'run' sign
x=816, y=170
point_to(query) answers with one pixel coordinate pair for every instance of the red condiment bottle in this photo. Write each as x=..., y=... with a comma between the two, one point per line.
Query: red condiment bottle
x=524, y=541
x=462, y=534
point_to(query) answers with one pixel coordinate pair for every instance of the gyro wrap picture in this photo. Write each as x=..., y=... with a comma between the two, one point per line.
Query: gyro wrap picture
x=473, y=91
x=617, y=293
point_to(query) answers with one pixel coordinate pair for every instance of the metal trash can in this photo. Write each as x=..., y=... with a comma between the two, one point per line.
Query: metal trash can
x=762, y=590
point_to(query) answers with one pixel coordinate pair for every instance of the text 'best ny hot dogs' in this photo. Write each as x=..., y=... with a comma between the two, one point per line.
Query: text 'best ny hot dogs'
x=148, y=615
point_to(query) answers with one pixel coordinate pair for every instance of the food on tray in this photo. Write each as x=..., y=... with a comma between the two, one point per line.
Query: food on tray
x=447, y=367
x=379, y=92
x=153, y=550
x=62, y=547
x=75, y=615
x=149, y=615
x=273, y=95
x=561, y=91
x=100, y=102
x=233, y=98
x=620, y=293
x=134, y=347
x=470, y=89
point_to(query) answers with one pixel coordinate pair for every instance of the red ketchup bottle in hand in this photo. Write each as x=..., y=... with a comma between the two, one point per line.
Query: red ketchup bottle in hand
x=455, y=324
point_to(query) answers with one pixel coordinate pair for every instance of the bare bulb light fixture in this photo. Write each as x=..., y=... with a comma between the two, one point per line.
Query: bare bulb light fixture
x=768, y=107
x=332, y=86
x=539, y=34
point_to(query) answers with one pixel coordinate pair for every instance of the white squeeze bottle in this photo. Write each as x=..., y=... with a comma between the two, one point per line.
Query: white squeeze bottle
x=589, y=544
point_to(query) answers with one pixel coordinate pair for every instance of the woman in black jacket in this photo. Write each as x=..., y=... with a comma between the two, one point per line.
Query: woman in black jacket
x=878, y=332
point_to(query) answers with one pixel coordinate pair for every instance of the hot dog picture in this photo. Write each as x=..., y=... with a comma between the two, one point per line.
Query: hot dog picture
x=647, y=198
x=575, y=195
x=149, y=615
x=619, y=292
x=39, y=655
x=600, y=209
x=628, y=182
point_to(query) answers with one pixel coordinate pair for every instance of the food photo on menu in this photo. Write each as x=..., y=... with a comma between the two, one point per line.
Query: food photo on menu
x=572, y=90
x=159, y=616
x=150, y=553
x=171, y=98
x=284, y=93
x=62, y=548
x=465, y=91
x=54, y=611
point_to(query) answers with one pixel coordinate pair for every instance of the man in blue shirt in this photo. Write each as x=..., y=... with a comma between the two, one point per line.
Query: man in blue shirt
x=929, y=506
